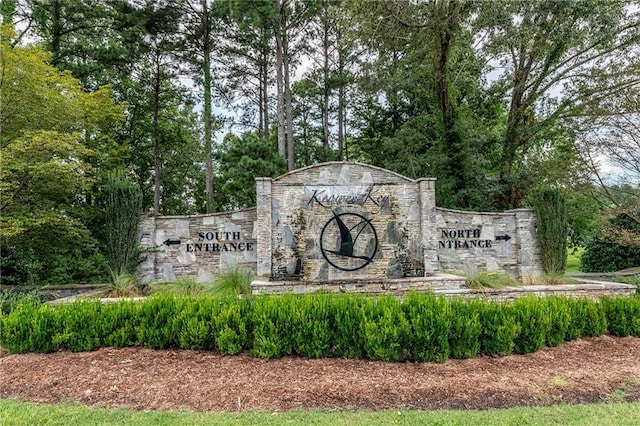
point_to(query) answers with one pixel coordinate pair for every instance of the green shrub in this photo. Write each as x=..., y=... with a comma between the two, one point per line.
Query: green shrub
x=605, y=254
x=312, y=335
x=623, y=315
x=231, y=325
x=534, y=322
x=429, y=317
x=499, y=328
x=348, y=333
x=192, y=323
x=78, y=327
x=422, y=328
x=11, y=298
x=559, y=309
x=386, y=330
x=119, y=323
x=596, y=320
x=30, y=327
x=464, y=334
x=156, y=323
x=272, y=319
x=122, y=203
x=552, y=227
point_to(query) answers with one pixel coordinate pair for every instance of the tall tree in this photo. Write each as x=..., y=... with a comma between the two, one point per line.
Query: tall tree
x=46, y=120
x=201, y=27
x=559, y=57
x=425, y=75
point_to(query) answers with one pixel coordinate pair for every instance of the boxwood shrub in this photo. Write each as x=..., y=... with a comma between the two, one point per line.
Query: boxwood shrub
x=422, y=327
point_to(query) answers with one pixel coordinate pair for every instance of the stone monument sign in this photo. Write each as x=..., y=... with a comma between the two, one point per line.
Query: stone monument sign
x=341, y=222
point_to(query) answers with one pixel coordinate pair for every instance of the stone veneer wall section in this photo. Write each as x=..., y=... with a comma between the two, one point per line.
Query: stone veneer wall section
x=391, y=203
x=473, y=241
x=398, y=215
x=191, y=256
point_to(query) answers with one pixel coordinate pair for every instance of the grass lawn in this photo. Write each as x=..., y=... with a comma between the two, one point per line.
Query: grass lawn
x=19, y=413
x=573, y=261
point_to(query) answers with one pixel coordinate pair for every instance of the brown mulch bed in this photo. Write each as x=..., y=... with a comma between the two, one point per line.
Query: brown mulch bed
x=582, y=371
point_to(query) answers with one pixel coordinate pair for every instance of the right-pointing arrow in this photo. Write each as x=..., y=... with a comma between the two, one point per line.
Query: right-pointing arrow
x=504, y=237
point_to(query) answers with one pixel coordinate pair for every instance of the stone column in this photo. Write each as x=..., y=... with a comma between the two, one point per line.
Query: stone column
x=528, y=255
x=428, y=226
x=146, y=270
x=263, y=224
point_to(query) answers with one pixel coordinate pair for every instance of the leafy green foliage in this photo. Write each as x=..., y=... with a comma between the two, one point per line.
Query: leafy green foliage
x=11, y=298
x=312, y=329
x=535, y=324
x=123, y=206
x=499, y=329
x=551, y=223
x=272, y=324
x=348, y=333
x=242, y=159
x=623, y=315
x=605, y=253
x=464, y=336
x=51, y=132
x=422, y=328
x=386, y=330
x=430, y=318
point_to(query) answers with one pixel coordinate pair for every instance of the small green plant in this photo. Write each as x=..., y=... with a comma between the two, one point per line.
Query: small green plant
x=11, y=298
x=386, y=330
x=123, y=284
x=464, y=336
x=181, y=286
x=534, y=320
x=234, y=281
x=499, y=328
x=484, y=279
x=623, y=315
x=430, y=321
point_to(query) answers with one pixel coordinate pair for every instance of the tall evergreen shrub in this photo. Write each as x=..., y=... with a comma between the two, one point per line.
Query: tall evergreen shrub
x=551, y=219
x=123, y=203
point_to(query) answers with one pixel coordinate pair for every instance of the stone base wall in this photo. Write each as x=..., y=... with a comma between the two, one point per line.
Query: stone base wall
x=197, y=247
x=471, y=242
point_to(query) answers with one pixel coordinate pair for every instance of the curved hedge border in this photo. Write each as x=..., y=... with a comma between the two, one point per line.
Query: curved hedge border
x=423, y=327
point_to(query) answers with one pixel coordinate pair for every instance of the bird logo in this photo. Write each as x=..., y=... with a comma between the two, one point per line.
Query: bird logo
x=348, y=241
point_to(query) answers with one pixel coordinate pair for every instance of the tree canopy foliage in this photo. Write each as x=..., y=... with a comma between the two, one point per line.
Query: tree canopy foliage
x=492, y=101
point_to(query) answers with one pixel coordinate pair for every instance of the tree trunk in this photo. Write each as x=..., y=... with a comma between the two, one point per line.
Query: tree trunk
x=264, y=76
x=157, y=158
x=325, y=71
x=287, y=98
x=282, y=149
x=454, y=149
x=208, y=119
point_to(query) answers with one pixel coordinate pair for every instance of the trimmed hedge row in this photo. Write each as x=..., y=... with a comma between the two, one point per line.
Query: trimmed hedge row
x=421, y=328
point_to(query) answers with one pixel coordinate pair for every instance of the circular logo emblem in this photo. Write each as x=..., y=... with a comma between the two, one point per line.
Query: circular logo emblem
x=348, y=241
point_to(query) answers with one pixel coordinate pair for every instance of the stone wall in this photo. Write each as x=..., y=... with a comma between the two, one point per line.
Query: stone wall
x=198, y=246
x=473, y=241
x=340, y=223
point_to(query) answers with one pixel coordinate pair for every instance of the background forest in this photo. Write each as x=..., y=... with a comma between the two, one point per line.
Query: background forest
x=192, y=99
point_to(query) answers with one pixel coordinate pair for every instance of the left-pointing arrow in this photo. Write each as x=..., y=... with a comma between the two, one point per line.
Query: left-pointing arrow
x=170, y=242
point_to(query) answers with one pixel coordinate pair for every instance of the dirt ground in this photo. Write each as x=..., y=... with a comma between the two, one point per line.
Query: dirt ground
x=583, y=371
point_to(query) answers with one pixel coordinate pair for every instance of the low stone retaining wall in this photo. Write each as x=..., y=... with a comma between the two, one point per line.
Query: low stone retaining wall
x=447, y=285
x=593, y=290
